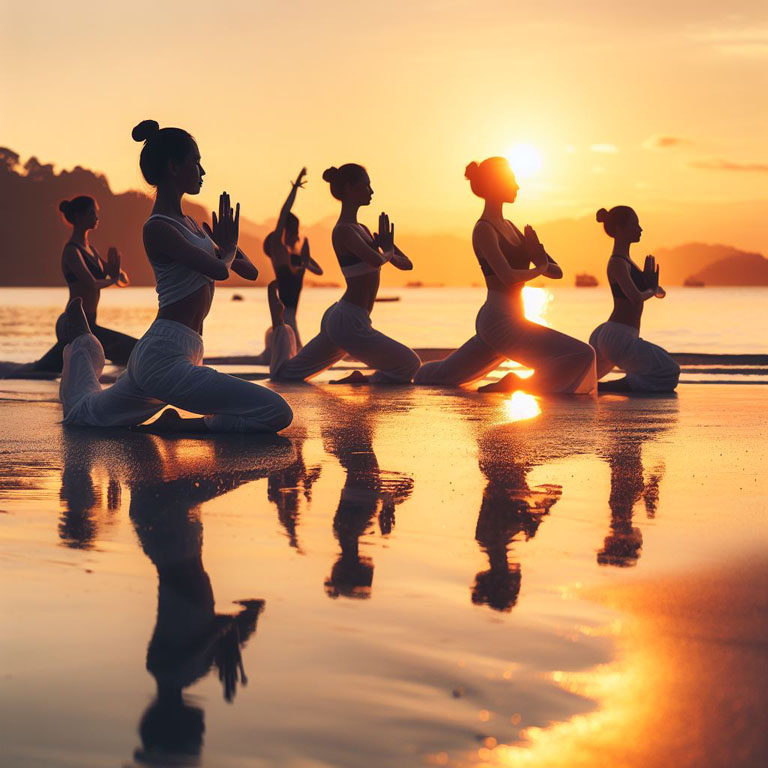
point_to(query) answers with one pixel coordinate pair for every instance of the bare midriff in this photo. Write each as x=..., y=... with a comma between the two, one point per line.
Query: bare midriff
x=191, y=310
x=362, y=290
x=626, y=313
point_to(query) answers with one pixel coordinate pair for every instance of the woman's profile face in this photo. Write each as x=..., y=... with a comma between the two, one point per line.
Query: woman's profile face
x=632, y=229
x=189, y=173
x=90, y=217
x=507, y=184
x=360, y=192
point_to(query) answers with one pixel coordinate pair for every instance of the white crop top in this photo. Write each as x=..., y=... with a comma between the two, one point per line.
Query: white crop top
x=174, y=280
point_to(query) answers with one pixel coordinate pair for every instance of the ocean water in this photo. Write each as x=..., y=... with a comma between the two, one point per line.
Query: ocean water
x=702, y=320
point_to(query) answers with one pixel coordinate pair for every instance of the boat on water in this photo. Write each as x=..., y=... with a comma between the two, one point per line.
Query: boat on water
x=693, y=282
x=585, y=280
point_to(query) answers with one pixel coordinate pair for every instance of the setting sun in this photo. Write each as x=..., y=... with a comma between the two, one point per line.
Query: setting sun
x=524, y=159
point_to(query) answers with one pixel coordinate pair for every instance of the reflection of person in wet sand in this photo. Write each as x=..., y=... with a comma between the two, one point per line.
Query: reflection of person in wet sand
x=368, y=491
x=623, y=452
x=190, y=636
x=287, y=485
x=511, y=510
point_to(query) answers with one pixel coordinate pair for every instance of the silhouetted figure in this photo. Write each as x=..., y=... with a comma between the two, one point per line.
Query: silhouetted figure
x=648, y=367
x=561, y=363
x=368, y=491
x=286, y=486
x=166, y=367
x=346, y=325
x=290, y=262
x=86, y=274
x=511, y=510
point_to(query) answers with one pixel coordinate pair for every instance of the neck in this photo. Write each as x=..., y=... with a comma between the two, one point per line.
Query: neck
x=621, y=248
x=493, y=210
x=80, y=236
x=349, y=212
x=168, y=201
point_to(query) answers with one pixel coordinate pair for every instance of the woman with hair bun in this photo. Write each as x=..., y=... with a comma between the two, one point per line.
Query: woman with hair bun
x=86, y=274
x=346, y=325
x=561, y=364
x=289, y=261
x=166, y=367
x=648, y=368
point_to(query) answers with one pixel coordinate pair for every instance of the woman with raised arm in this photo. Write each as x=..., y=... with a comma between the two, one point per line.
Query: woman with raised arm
x=86, y=274
x=346, y=325
x=166, y=367
x=562, y=364
x=289, y=261
x=648, y=368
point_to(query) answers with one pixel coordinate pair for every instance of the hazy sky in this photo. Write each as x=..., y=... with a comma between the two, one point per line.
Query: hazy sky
x=647, y=103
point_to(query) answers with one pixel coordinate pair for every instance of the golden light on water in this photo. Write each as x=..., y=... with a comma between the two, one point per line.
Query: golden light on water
x=521, y=406
x=524, y=159
x=536, y=303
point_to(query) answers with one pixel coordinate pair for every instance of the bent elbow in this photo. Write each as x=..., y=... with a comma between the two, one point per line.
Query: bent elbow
x=219, y=271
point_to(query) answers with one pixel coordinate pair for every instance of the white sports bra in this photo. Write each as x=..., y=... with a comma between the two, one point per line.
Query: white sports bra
x=174, y=280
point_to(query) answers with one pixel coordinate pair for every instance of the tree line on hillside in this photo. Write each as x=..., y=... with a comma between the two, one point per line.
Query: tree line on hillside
x=32, y=234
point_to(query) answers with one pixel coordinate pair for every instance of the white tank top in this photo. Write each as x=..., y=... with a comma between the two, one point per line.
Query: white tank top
x=174, y=280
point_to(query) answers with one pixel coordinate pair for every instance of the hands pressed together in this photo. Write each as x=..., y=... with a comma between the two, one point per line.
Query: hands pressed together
x=225, y=231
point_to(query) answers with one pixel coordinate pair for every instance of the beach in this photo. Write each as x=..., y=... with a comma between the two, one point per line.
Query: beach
x=447, y=578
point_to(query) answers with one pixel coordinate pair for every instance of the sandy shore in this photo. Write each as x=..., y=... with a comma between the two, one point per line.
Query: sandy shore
x=408, y=577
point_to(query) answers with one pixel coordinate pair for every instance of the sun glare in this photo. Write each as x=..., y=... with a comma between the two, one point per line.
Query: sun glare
x=524, y=159
x=536, y=303
x=521, y=406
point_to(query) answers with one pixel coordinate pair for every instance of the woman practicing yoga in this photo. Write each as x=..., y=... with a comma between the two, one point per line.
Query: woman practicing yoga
x=165, y=366
x=289, y=262
x=561, y=364
x=648, y=368
x=346, y=325
x=86, y=274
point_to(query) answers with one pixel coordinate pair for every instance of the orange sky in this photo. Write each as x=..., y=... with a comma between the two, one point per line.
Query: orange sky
x=414, y=90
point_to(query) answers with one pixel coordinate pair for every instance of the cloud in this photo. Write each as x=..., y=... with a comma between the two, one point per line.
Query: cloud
x=608, y=149
x=662, y=141
x=743, y=42
x=720, y=164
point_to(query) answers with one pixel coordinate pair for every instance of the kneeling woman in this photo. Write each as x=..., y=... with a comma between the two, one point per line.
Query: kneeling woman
x=165, y=366
x=346, y=325
x=86, y=274
x=562, y=364
x=648, y=368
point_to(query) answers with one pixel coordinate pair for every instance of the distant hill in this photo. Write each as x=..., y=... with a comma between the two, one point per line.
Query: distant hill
x=32, y=234
x=732, y=270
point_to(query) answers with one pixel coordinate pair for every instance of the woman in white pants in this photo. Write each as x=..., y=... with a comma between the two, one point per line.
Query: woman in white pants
x=165, y=366
x=648, y=367
x=562, y=364
x=346, y=325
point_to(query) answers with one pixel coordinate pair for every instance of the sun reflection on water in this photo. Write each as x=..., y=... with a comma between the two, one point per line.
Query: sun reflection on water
x=520, y=406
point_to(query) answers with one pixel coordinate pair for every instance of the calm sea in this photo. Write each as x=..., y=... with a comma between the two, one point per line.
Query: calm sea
x=712, y=320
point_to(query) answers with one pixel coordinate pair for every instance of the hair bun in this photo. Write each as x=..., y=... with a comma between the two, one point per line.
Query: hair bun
x=64, y=206
x=145, y=129
x=471, y=170
x=329, y=174
x=602, y=215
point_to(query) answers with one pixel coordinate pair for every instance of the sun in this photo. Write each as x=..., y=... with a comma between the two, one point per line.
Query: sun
x=524, y=159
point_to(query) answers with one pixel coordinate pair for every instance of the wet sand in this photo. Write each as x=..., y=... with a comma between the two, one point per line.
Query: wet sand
x=408, y=577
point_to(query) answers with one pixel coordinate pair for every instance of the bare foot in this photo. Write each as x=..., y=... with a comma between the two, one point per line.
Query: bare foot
x=276, y=307
x=509, y=383
x=356, y=377
x=169, y=421
x=73, y=322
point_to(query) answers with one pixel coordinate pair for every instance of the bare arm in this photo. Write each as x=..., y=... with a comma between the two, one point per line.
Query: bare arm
x=534, y=247
x=288, y=204
x=244, y=267
x=486, y=243
x=618, y=272
x=164, y=240
x=74, y=261
x=348, y=238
